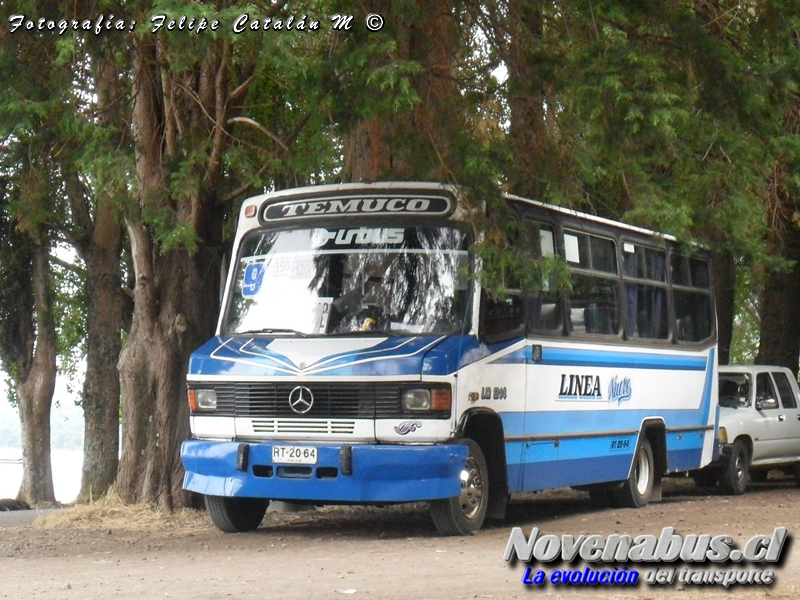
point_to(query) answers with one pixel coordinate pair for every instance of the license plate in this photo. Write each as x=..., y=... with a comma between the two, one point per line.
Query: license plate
x=297, y=455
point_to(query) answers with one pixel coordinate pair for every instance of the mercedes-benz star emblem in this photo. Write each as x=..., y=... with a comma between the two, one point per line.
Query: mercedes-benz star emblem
x=301, y=399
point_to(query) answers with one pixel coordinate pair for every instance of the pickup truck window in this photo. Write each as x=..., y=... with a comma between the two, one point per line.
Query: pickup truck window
x=765, y=390
x=784, y=387
x=734, y=390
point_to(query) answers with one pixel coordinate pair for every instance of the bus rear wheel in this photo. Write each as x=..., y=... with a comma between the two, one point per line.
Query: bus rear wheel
x=464, y=514
x=635, y=491
x=236, y=515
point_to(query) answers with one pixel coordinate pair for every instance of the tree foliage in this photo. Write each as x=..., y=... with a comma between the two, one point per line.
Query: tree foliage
x=135, y=148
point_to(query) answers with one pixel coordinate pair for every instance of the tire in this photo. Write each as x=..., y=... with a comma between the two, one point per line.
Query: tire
x=735, y=475
x=636, y=491
x=464, y=514
x=796, y=471
x=236, y=515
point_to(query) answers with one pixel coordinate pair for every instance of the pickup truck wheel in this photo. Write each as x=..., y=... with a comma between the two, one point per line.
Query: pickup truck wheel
x=797, y=474
x=465, y=513
x=735, y=474
x=637, y=489
x=236, y=515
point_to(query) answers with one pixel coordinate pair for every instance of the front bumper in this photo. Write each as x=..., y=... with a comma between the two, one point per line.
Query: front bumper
x=350, y=474
x=725, y=451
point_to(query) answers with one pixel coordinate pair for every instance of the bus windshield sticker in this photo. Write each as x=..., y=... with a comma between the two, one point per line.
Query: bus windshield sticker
x=358, y=236
x=253, y=277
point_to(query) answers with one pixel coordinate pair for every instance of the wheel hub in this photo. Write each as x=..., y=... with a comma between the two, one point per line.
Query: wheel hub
x=471, y=489
x=642, y=474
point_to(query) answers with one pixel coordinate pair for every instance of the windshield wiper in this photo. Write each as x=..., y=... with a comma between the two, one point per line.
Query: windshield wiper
x=369, y=332
x=268, y=330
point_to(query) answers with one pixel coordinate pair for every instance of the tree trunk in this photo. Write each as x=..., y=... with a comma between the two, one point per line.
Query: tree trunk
x=535, y=152
x=154, y=406
x=168, y=323
x=101, y=387
x=34, y=387
x=725, y=298
x=780, y=320
x=779, y=306
x=367, y=151
x=418, y=143
x=779, y=309
x=176, y=292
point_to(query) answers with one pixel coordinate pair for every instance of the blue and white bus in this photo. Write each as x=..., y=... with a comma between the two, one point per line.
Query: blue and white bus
x=358, y=360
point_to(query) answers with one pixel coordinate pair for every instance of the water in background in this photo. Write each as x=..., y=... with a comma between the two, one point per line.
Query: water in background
x=66, y=473
x=66, y=440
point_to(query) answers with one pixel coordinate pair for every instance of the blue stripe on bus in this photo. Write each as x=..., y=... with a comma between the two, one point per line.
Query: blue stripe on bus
x=710, y=374
x=605, y=358
x=541, y=463
x=571, y=422
x=550, y=474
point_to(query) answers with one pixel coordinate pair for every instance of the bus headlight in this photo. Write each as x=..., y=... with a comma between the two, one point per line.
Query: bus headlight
x=416, y=399
x=203, y=400
x=420, y=399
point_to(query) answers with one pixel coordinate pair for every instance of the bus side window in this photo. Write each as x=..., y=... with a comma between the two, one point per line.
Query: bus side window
x=644, y=272
x=543, y=305
x=594, y=303
x=692, y=299
x=544, y=312
x=501, y=318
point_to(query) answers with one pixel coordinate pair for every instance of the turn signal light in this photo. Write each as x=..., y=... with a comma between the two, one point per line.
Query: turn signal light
x=203, y=400
x=441, y=399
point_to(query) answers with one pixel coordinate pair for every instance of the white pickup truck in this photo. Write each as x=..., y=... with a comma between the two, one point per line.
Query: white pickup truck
x=759, y=426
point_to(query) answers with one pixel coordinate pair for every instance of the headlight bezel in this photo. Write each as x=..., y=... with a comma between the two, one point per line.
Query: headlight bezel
x=427, y=399
x=203, y=400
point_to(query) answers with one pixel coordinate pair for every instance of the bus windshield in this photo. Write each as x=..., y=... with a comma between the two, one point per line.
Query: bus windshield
x=338, y=281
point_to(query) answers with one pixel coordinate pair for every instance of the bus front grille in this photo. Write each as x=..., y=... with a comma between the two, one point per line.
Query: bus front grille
x=264, y=401
x=316, y=426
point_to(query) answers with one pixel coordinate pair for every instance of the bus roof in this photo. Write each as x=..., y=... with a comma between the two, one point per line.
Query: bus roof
x=422, y=186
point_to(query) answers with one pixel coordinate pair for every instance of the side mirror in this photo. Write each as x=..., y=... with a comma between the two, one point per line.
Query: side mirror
x=766, y=404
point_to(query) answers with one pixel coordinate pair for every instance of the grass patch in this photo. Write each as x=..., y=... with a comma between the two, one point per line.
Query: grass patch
x=111, y=512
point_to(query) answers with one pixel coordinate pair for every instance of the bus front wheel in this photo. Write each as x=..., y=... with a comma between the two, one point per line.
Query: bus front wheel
x=635, y=491
x=236, y=515
x=465, y=513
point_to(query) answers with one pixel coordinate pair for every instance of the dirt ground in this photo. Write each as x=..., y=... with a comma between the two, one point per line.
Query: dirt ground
x=372, y=553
